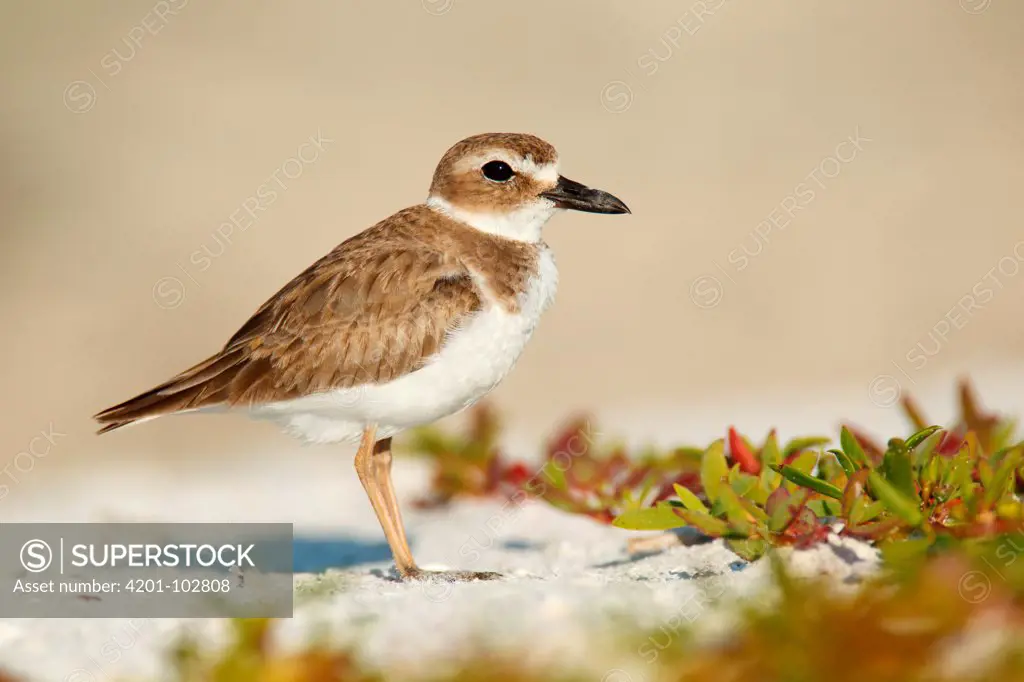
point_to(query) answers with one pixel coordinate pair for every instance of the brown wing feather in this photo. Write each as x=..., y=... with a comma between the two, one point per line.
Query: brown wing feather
x=377, y=307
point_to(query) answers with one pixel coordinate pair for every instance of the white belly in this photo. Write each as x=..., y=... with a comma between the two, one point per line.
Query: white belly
x=473, y=360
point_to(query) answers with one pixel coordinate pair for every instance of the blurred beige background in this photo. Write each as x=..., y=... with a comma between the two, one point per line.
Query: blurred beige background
x=765, y=252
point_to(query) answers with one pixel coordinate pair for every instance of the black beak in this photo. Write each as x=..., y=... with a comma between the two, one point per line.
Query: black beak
x=573, y=195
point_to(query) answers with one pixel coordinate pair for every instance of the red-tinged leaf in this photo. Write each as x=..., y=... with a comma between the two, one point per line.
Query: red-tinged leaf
x=971, y=445
x=741, y=453
x=804, y=523
x=777, y=500
x=779, y=510
x=815, y=532
x=876, y=531
x=975, y=418
x=950, y=443
x=572, y=442
x=787, y=507
x=856, y=488
x=638, y=475
x=913, y=412
x=517, y=474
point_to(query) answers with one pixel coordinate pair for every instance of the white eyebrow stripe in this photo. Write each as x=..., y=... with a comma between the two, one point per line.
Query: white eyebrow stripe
x=546, y=173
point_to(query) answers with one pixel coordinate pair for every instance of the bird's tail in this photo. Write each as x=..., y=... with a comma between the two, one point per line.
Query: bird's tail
x=204, y=385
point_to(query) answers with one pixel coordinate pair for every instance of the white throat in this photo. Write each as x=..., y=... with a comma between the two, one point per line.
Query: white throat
x=524, y=224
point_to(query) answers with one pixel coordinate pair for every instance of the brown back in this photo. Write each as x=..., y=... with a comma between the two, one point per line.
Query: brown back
x=380, y=305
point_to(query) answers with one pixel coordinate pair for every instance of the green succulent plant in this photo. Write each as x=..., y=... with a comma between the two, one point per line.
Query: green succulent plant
x=930, y=488
x=934, y=487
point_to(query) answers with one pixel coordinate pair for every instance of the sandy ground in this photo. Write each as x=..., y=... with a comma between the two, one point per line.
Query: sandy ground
x=568, y=580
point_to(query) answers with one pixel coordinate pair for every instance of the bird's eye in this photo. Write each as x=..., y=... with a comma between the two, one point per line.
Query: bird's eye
x=498, y=171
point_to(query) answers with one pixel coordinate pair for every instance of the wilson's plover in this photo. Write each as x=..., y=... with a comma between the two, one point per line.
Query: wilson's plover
x=412, y=320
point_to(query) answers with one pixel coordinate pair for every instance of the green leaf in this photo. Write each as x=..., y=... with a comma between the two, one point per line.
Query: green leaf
x=1002, y=434
x=985, y=473
x=952, y=472
x=737, y=516
x=556, y=475
x=645, y=490
x=629, y=500
x=854, y=493
x=778, y=508
x=770, y=457
x=1003, y=477
x=689, y=500
x=821, y=508
x=770, y=450
x=749, y=549
x=805, y=461
x=899, y=470
x=799, y=444
x=924, y=456
x=872, y=510
x=961, y=477
x=713, y=469
x=742, y=483
x=845, y=462
x=920, y=436
x=812, y=482
x=971, y=444
x=879, y=530
x=851, y=446
x=905, y=551
x=660, y=517
x=755, y=509
x=430, y=442
x=854, y=515
x=930, y=472
x=895, y=501
x=706, y=523
x=758, y=495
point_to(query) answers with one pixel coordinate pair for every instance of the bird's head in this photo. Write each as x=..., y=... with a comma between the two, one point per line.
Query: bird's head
x=508, y=184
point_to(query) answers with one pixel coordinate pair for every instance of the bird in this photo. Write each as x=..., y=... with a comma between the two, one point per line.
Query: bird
x=413, y=319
